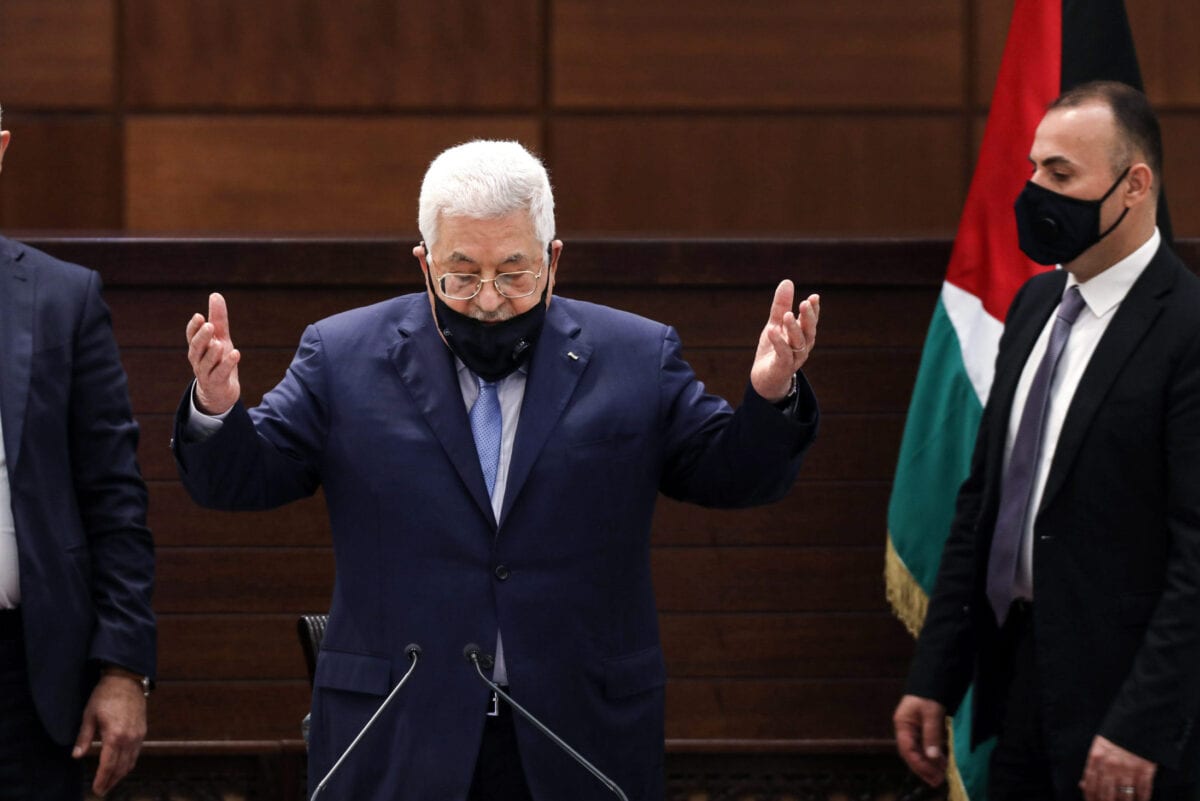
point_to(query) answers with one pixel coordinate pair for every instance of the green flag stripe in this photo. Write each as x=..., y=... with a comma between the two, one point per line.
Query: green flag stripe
x=935, y=452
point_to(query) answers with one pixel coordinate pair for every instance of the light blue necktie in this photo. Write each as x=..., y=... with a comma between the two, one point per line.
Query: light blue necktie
x=486, y=425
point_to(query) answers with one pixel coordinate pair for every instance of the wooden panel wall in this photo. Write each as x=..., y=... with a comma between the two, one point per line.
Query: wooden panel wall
x=325, y=54
x=679, y=117
x=776, y=631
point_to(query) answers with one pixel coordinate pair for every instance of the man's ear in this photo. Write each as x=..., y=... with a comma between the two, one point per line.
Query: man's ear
x=5, y=136
x=421, y=254
x=1140, y=184
x=555, y=252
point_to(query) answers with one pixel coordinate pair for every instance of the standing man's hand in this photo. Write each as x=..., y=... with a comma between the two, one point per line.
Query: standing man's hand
x=116, y=713
x=214, y=359
x=1114, y=774
x=785, y=343
x=921, y=737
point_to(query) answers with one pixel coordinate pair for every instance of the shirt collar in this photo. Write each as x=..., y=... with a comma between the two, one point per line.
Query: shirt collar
x=1104, y=292
x=462, y=369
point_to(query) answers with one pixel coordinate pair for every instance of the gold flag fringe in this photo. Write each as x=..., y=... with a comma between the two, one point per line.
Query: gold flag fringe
x=958, y=791
x=909, y=604
x=905, y=595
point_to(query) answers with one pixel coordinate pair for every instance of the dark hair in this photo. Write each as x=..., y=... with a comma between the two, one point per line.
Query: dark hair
x=1137, y=124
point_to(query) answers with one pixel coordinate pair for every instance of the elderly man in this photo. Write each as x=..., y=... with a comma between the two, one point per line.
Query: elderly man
x=1070, y=583
x=77, y=634
x=491, y=455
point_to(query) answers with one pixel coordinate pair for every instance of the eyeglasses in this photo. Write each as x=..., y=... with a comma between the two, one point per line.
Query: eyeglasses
x=514, y=285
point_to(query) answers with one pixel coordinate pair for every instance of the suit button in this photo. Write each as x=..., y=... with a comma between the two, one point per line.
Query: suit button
x=501, y=572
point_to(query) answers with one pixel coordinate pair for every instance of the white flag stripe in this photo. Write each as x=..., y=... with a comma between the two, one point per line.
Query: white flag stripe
x=978, y=336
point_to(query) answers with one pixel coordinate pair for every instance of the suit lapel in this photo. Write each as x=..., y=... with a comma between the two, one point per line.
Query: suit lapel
x=16, y=345
x=426, y=368
x=1130, y=323
x=559, y=359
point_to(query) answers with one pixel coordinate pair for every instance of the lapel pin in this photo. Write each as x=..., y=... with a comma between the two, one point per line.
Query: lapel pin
x=571, y=353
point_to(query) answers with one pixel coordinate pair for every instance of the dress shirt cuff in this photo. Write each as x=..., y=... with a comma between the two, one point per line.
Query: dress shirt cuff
x=200, y=426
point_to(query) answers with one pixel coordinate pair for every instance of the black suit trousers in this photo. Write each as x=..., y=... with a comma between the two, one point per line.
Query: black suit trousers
x=32, y=766
x=1022, y=767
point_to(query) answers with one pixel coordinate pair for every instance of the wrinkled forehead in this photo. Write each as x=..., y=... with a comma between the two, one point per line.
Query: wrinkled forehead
x=500, y=238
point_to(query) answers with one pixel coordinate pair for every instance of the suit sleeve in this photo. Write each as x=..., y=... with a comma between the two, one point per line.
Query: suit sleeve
x=719, y=457
x=1155, y=711
x=268, y=456
x=111, y=494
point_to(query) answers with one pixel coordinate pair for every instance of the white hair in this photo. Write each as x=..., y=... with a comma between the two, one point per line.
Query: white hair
x=485, y=179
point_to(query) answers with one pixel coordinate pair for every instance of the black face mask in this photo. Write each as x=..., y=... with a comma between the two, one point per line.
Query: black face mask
x=1056, y=229
x=490, y=350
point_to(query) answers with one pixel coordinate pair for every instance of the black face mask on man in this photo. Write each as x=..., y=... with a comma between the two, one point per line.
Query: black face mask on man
x=490, y=350
x=1056, y=229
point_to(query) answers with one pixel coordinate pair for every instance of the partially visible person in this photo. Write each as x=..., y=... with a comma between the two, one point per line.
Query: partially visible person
x=77, y=633
x=1069, y=588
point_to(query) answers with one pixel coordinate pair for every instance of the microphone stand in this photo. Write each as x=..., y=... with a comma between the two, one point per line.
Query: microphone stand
x=413, y=652
x=472, y=653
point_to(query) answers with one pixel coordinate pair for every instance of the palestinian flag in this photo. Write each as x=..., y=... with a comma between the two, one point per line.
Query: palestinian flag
x=1052, y=46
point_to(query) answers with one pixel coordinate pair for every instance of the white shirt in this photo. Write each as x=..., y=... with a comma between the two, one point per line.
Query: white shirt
x=1102, y=297
x=10, y=571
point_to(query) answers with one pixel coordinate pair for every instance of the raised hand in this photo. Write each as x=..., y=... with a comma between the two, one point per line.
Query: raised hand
x=214, y=359
x=785, y=342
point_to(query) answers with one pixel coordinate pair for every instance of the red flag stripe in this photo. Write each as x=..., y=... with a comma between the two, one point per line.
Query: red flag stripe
x=986, y=260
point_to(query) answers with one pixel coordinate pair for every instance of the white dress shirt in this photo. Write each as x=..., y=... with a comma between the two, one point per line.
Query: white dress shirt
x=10, y=571
x=1102, y=297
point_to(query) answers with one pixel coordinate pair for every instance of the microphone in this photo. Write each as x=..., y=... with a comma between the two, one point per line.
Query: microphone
x=413, y=652
x=475, y=656
x=473, y=652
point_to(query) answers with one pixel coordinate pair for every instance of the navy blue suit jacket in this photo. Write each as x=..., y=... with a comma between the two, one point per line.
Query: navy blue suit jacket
x=371, y=411
x=79, y=504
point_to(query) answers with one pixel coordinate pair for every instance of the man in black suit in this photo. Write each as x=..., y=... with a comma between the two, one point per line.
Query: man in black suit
x=77, y=634
x=1069, y=588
